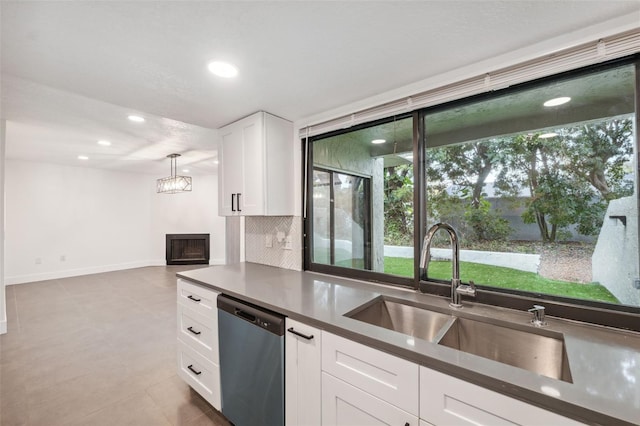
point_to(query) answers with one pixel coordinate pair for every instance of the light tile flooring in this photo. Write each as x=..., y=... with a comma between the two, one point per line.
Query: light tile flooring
x=96, y=350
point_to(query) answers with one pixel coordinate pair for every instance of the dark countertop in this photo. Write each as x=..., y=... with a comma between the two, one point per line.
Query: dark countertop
x=604, y=362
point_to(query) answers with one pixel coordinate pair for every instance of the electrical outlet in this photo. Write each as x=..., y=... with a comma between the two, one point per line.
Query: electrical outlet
x=288, y=245
x=38, y=261
x=268, y=240
x=636, y=283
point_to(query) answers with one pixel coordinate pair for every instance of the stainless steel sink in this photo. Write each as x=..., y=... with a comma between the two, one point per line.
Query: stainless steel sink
x=401, y=316
x=541, y=352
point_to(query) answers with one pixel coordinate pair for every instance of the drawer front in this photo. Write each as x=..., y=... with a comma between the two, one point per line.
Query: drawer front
x=385, y=376
x=202, y=375
x=346, y=405
x=448, y=400
x=199, y=332
x=200, y=299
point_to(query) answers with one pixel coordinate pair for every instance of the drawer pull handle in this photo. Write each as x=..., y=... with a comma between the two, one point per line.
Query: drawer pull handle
x=297, y=333
x=193, y=331
x=197, y=373
x=193, y=298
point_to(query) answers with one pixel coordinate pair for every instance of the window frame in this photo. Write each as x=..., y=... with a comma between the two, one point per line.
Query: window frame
x=602, y=313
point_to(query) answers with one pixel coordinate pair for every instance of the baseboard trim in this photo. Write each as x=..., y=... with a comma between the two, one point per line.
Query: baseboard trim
x=53, y=275
x=29, y=278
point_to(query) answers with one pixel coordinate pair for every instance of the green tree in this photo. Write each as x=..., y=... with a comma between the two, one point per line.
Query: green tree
x=398, y=204
x=467, y=167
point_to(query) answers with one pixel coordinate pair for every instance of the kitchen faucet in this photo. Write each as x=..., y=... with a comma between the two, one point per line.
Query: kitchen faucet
x=457, y=289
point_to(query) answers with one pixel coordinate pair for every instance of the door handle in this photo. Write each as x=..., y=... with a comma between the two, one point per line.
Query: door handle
x=297, y=333
x=197, y=373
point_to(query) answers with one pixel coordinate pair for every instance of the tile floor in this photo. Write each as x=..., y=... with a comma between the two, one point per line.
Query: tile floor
x=96, y=350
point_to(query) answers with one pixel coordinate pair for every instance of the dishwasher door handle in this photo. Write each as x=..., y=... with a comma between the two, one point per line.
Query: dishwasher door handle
x=245, y=315
x=297, y=333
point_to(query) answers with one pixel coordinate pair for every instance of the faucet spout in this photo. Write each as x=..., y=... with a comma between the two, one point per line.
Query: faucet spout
x=425, y=258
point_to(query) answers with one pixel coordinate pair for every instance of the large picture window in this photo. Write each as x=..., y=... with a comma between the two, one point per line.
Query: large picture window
x=539, y=181
x=541, y=186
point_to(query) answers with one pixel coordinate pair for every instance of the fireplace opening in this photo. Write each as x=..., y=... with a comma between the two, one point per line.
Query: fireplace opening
x=187, y=249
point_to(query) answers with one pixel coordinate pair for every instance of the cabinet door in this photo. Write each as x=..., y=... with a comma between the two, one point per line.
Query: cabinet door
x=252, y=195
x=302, y=374
x=230, y=170
x=446, y=400
x=378, y=373
x=346, y=405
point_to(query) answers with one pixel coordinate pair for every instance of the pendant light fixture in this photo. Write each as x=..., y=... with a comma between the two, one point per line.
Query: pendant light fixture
x=174, y=183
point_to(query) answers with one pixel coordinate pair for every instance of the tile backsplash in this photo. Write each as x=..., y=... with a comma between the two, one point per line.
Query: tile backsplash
x=262, y=231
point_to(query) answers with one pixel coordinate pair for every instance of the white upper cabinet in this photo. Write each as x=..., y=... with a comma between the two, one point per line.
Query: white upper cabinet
x=256, y=167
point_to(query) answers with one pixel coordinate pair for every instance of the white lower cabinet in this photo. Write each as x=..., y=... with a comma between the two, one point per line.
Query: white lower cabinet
x=198, y=359
x=302, y=374
x=365, y=386
x=346, y=405
x=446, y=400
x=200, y=373
x=378, y=373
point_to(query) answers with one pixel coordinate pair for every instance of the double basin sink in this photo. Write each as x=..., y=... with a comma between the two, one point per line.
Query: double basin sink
x=537, y=350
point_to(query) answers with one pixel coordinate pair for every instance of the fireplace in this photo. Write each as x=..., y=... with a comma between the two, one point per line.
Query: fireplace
x=187, y=249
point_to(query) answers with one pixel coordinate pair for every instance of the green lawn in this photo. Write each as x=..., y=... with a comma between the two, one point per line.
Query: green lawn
x=503, y=278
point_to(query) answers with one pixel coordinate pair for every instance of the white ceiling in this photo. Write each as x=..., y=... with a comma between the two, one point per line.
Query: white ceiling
x=73, y=71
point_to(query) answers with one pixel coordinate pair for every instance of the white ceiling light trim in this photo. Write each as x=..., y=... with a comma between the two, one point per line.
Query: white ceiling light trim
x=83, y=157
x=104, y=142
x=557, y=101
x=136, y=118
x=223, y=69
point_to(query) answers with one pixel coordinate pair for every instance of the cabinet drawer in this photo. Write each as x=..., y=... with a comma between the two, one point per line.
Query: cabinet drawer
x=199, y=332
x=446, y=400
x=346, y=405
x=200, y=299
x=385, y=376
x=202, y=375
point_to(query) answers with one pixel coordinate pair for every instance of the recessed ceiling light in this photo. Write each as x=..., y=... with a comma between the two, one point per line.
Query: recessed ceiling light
x=215, y=161
x=557, y=101
x=223, y=69
x=548, y=135
x=185, y=170
x=82, y=157
x=136, y=118
x=104, y=143
x=378, y=141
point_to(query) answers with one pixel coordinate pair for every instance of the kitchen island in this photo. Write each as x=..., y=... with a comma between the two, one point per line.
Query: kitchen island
x=604, y=363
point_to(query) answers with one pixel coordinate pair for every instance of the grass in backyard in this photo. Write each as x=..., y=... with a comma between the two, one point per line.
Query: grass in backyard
x=503, y=278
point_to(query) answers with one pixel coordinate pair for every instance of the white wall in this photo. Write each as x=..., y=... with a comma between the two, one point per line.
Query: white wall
x=194, y=212
x=3, y=305
x=99, y=220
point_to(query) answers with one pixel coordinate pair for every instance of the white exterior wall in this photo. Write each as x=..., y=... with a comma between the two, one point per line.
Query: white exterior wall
x=615, y=258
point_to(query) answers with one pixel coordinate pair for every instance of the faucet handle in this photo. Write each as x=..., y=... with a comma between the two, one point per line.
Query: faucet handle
x=538, y=316
x=467, y=289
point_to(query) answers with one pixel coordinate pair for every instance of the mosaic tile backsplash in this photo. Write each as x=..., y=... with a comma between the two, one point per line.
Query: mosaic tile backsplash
x=258, y=229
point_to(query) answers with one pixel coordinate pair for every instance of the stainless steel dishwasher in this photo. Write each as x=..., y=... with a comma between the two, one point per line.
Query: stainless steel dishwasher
x=251, y=363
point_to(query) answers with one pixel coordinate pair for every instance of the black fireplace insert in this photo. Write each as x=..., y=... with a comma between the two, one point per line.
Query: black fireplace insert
x=187, y=249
